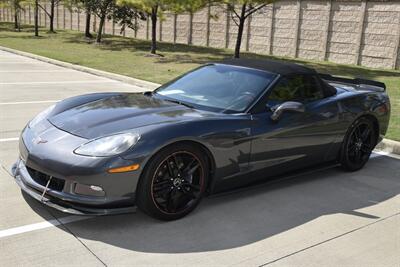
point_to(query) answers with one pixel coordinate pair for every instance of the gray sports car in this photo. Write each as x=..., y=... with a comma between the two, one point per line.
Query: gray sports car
x=221, y=126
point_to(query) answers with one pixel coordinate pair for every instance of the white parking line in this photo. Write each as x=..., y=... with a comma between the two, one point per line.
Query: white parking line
x=9, y=139
x=33, y=71
x=41, y=225
x=376, y=154
x=59, y=82
x=20, y=62
x=28, y=102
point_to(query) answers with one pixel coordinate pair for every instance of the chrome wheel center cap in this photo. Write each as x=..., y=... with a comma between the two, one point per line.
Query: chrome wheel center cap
x=177, y=182
x=359, y=145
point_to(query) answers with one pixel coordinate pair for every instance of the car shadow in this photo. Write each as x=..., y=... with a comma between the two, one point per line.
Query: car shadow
x=241, y=218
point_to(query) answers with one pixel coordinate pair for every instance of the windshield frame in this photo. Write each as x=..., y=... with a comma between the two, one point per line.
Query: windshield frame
x=275, y=76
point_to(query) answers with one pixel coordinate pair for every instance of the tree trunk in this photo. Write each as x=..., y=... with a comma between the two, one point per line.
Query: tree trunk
x=154, y=29
x=87, y=26
x=190, y=33
x=51, y=17
x=100, y=30
x=16, y=23
x=242, y=19
x=36, y=17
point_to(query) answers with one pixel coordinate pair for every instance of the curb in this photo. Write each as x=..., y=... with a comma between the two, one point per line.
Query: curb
x=390, y=146
x=137, y=82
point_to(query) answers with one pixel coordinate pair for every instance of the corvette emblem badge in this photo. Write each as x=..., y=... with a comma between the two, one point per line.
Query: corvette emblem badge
x=39, y=140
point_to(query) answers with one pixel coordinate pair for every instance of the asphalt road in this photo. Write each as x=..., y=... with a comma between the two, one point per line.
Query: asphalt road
x=327, y=218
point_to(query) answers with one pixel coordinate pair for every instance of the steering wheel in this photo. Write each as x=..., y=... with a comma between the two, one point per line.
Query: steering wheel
x=242, y=101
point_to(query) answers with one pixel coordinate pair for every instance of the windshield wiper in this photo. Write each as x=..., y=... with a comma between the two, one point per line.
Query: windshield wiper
x=178, y=102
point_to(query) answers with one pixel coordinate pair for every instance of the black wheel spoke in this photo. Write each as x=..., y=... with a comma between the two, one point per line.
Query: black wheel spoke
x=365, y=148
x=352, y=148
x=192, y=186
x=176, y=165
x=187, y=168
x=193, y=169
x=365, y=135
x=162, y=182
x=170, y=202
x=357, y=132
x=162, y=194
x=158, y=188
x=170, y=170
x=189, y=193
x=358, y=156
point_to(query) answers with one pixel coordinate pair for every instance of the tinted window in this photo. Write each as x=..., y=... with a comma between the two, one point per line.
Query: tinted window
x=219, y=87
x=303, y=88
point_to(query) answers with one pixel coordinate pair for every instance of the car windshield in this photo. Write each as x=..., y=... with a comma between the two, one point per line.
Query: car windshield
x=217, y=87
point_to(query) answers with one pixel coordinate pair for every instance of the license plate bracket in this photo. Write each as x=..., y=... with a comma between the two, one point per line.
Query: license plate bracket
x=46, y=189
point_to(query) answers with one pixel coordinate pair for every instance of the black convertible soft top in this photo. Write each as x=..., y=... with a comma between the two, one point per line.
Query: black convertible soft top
x=279, y=67
x=274, y=66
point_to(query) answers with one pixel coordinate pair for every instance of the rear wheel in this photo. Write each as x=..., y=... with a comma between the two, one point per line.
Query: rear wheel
x=173, y=182
x=358, y=145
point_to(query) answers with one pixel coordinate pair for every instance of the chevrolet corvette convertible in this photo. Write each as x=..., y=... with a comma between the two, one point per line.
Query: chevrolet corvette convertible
x=221, y=126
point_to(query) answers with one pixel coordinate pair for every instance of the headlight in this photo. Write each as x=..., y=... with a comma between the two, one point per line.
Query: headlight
x=41, y=116
x=109, y=145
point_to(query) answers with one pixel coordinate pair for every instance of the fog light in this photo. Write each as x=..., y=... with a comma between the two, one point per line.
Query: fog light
x=89, y=190
x=96, y=188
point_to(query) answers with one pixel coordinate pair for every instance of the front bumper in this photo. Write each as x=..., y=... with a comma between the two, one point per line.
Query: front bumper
x=70, y=173
x=58, y=200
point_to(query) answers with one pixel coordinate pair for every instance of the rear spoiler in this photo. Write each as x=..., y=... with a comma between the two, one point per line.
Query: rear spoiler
x=360, y=83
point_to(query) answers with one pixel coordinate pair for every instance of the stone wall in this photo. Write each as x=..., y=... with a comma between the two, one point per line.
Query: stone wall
x=361, y=32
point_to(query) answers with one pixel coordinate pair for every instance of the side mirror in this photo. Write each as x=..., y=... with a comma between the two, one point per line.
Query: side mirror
x=292, y=106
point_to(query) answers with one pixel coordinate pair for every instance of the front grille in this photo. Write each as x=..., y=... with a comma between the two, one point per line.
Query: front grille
x=41, y=178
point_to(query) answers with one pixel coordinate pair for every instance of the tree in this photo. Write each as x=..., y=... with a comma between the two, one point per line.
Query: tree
x=152, y=8
x=35, y=15
x=36, y=6
x=247, y=8
x=36, y=18
x=17, y=5
x=88, y=10
x=155, y=8
x=87, y=5
x=103, y=9
x=127, y=16
x=50, y=14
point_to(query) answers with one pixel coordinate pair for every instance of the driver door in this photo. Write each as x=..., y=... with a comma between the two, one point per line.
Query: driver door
x=296, y=139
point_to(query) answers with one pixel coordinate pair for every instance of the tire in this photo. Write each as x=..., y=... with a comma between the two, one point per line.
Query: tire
x=358, y=144
x=173, y=182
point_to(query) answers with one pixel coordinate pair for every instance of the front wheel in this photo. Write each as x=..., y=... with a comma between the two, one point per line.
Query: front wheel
x=358, y=145
x=173, y=182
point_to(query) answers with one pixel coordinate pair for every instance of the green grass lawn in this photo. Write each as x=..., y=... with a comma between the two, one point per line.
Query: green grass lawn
x=129, y=57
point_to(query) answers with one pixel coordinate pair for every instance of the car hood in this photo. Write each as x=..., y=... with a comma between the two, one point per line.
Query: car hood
x=120, y=113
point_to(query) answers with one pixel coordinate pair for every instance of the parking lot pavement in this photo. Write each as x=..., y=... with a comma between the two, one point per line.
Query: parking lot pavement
x=327, y=218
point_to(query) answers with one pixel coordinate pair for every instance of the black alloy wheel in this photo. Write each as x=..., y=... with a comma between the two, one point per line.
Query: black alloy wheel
x=177, y=182
x=358, y=145
x=174, y=182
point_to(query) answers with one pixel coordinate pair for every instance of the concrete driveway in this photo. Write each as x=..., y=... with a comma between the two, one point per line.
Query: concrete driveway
x=325, y=218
